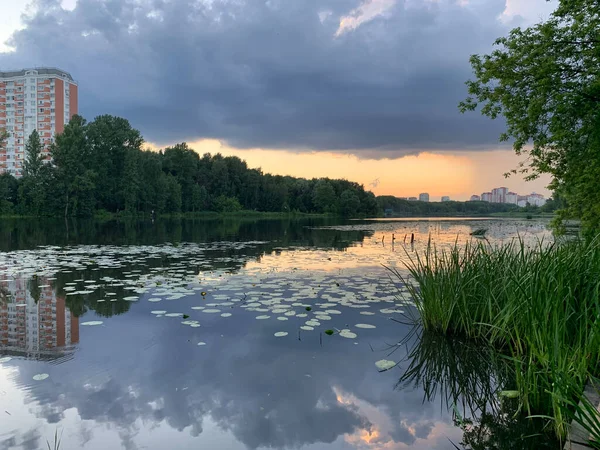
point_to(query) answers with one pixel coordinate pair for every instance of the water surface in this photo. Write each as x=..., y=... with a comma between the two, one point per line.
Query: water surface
x=212, y=334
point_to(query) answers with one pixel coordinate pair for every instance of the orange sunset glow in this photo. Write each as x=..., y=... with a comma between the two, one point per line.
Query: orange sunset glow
x=456, y=174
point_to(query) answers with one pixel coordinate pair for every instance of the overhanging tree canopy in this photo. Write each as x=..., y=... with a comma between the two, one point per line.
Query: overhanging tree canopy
x=545, y=81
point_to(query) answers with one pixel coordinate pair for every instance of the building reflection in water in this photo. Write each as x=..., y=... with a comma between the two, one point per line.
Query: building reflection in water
x=35, y=323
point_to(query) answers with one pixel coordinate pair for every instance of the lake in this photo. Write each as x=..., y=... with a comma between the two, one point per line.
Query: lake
x=229, y=334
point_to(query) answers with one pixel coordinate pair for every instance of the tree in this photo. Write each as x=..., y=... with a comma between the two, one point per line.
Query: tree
x=227, y=204
x=545, y=81
x=34, y=157
x=324, y=197
x=173, y=200
x=71, y=154
x=199, y=198
x=349, y=203
x=113, y=145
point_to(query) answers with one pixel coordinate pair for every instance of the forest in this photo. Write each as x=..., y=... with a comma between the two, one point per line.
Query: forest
x=100, y=167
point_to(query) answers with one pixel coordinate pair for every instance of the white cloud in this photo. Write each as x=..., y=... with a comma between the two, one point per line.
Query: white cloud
x=532, y=11
x=10, y=18
x=366, y=12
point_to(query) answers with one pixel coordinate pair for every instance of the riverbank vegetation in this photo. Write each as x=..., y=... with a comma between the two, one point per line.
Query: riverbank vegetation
x=537, y=306
x=552, y=108
x=100, y=167
x=397, y=207
x=540, y=306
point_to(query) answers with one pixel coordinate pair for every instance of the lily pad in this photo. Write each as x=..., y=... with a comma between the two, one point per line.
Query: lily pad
x=384, y=365
x=92, y=323
x=40, y=376
x=281, y=334
x=364, y=325
x=347, y=334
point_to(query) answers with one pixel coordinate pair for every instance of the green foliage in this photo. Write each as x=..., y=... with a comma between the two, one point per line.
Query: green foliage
x=227, y=204
x=544, y=80
x=539, y=306
x=71, y=153
x=468, y=378
x=324, y=197
x=400, y=207
x=34, y=159
x=100, y=167
x=349, y=203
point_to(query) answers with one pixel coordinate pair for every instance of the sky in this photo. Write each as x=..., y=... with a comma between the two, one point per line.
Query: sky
x=360, y=89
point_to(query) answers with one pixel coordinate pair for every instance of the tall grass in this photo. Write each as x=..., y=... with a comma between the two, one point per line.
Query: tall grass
x=540, y=306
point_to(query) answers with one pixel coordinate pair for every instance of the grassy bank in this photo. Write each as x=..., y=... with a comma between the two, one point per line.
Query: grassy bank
x=538, y=306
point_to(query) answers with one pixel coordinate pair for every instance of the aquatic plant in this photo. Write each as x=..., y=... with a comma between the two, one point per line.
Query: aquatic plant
x=467, y=378
x=57, y=440
x=539, y=306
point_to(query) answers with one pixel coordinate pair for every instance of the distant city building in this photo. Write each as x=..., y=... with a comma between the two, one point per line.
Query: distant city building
x=475, y=198
x=42, y=99
x=499, y=195
x=536, y=199
x=424, y=197
x=445, y=198
x=512, y=198
x=503, y=195
x=412, y=199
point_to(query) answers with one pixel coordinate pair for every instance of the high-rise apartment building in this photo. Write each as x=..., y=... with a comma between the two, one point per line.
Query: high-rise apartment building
x=486, y=197
x=445, y=198
x=424, y=197
x=512, y=198
x=35, y=323
x=499, y=195
x=475, y=198
x=42, y=99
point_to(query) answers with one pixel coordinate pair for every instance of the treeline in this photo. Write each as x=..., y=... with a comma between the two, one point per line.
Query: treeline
x=100, y=167
x=406, y=208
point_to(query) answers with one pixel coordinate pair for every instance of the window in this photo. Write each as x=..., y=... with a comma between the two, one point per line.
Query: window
x=32, y=95
x=32, y=103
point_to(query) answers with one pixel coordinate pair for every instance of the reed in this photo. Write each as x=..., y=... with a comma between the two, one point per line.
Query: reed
x=538, y=305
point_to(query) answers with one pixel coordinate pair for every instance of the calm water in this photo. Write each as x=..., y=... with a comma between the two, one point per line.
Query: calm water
x=211, y=334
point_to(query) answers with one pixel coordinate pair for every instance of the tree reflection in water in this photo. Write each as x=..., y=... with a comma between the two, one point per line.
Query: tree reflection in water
x=468, y=379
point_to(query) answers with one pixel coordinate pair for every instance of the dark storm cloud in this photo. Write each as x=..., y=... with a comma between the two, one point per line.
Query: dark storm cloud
x=273, y=73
